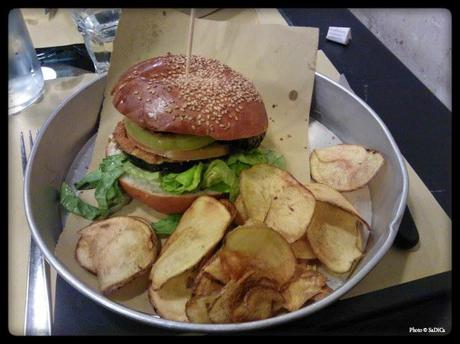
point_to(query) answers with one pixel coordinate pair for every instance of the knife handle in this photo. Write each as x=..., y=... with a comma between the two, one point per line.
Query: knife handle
x=407, y=236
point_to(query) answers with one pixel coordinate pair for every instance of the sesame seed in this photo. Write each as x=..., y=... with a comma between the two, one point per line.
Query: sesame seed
x=211, y=87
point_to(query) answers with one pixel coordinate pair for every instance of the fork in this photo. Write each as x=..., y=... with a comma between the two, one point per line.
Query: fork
x=38, y=301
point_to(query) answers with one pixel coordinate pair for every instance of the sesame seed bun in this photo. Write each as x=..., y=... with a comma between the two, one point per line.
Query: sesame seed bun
x=213, y=100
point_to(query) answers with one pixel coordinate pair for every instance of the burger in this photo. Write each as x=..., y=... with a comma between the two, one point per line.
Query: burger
x=185, y=135
x=182, y=135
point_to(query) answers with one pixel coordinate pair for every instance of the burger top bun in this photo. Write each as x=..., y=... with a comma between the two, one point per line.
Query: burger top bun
x=213, y=100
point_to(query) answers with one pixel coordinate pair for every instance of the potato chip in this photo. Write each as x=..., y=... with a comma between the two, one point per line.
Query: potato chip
x=260, y=248
x=334, y=235
x=230, y=207
x=259, y=184
x=303, y=287
x=345, y=167
x=241, y=212
x=325, y=291
x=302, y=249
x=325, y=193
x=291, y=211
x=197, y=308
x=205, y=286
x=220, y=311
x=118, y=250
x=259, y=303
x=215, y=271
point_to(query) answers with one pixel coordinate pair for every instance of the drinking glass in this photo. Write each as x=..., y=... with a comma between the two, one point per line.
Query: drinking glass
x=98, y=27
x=25, y=79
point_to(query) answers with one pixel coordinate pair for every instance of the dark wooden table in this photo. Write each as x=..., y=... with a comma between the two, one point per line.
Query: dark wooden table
x=421, y=126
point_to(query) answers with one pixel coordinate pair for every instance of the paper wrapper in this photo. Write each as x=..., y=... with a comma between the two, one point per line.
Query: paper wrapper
x=279, y=60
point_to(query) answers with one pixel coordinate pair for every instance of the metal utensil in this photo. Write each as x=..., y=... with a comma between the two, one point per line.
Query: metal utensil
x=38, y=302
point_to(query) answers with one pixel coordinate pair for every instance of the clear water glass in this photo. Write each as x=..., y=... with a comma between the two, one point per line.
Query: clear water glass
x=98, y=27
x=25, y=79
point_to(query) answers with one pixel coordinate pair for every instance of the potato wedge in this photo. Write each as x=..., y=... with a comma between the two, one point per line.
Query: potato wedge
x=259, y=303
x=302, y=249
x=258, y=185
x=169, y=301
x=257, y=247
x=291, y=211
x=334, y=235
x=345, y=167
x=117, y=250
x=241, y=212
x=303, y=287
x=195, y=236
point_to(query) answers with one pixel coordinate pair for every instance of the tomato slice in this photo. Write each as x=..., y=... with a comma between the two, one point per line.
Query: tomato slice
x=164, y=141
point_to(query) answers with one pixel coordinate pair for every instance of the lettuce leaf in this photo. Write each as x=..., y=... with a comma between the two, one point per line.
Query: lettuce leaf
x=187, y=181
x=218, y=176
x=90, y=181
x=252, y=157
x=133, y=170
x=74, y=204
x=108, y=194
x=167, y=225
x=221, y=178
x=275, y=159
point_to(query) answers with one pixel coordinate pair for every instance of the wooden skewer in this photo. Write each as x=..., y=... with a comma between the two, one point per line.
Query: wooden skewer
x=190, y=41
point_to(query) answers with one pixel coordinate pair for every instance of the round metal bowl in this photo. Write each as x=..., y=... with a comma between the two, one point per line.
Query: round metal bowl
x=75, y=121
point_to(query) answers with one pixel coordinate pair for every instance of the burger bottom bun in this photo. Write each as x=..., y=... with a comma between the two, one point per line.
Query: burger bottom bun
x=161, y=202
x=152, y=195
